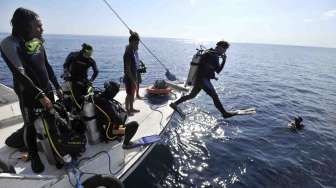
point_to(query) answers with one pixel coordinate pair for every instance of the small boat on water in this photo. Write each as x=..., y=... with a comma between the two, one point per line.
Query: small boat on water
x=108, y=161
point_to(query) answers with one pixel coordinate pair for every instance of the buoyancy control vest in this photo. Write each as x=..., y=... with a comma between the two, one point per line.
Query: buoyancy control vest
x=208, y=64
x=55, y=134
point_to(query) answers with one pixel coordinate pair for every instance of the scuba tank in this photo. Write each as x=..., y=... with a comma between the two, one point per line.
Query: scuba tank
x=194, y=64
x=42, y=138
x=88, y=115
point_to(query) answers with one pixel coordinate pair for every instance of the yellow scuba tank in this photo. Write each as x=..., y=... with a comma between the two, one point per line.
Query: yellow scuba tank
x=194, y=64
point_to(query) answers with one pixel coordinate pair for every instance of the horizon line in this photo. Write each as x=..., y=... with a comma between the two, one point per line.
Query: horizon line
x=209, y=40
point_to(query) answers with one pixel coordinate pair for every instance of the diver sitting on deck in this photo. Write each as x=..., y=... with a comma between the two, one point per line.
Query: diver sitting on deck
x=112, y=117
x=24, y=53
x=209, y=64
x=76, y=68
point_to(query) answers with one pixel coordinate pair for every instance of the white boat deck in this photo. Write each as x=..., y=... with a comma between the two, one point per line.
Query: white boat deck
x=122, y=162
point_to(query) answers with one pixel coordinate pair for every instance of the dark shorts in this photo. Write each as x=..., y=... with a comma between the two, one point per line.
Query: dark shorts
x=139, y=79
x=130, y=88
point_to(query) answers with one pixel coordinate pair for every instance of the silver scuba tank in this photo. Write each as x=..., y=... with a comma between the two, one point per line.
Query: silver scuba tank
x=194, y=64
x=89, y=116
x=42, y=140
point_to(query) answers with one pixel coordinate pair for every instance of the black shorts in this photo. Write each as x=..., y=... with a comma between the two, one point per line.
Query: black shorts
x=139, y=79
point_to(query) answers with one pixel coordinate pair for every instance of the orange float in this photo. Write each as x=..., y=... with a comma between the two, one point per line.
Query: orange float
x=156, y=91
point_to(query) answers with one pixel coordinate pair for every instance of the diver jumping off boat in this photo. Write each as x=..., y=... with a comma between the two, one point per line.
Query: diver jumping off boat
x=208, y=65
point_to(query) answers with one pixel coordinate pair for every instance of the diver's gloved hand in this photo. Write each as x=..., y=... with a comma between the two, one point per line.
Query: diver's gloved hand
x=59, y=93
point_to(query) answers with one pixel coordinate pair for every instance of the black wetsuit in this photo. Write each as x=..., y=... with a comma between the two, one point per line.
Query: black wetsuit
x=78, y=66
x=209, y=64
x=32, y=75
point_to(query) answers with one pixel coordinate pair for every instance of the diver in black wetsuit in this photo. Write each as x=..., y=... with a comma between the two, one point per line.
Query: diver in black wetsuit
x=24, y=53
x=76, y=68
x=209, y=64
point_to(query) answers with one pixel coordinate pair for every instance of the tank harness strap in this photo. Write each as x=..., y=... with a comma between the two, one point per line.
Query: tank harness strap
x=46, y=127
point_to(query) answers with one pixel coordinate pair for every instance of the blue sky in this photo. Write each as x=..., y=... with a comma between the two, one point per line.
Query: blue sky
x=294, y=22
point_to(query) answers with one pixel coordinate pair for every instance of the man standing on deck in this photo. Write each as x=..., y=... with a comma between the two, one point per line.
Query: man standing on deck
x=209, y=64
x=24, y=53
x=130, y=72
x=76, y=69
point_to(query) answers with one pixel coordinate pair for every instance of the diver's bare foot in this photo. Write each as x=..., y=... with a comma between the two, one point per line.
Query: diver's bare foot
x=228, y=115
x=139, y=97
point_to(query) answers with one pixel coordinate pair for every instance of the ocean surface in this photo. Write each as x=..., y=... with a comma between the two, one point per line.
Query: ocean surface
x=205, y=150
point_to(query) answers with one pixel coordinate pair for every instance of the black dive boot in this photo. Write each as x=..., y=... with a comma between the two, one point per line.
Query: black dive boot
x=15, y=140
x=36, y=163
x=228, y=115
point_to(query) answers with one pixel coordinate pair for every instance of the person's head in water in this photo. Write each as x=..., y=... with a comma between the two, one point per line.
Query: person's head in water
x=222, y=46
x=87, y=50
x=134, y=40
x=297, y=122
x=26, y=24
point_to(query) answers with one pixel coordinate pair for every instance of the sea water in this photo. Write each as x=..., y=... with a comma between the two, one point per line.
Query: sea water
x=205, y=150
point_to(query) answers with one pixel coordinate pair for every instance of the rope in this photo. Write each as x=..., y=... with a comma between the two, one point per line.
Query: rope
x=124, y=23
